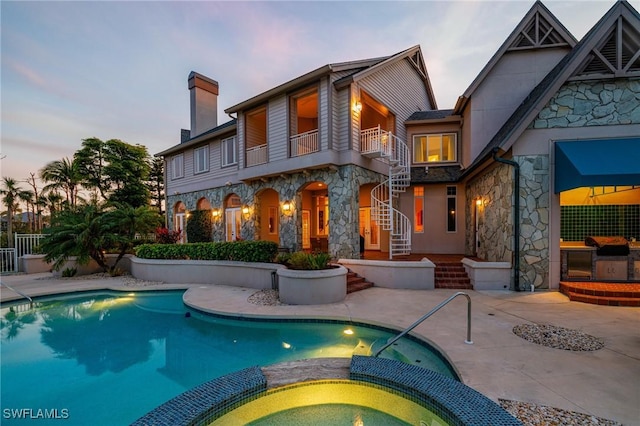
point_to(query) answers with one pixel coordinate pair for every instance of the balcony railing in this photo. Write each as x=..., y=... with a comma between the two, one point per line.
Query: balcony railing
x=257, y=155
x=304, y=143
x=375, y=141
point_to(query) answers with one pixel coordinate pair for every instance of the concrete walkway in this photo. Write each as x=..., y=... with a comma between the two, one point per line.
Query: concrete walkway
x=499, y=364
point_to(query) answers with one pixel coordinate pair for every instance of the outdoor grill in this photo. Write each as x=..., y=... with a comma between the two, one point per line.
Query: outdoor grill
x=609, y=246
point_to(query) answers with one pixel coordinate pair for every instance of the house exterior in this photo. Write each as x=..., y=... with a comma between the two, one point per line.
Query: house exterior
x=357, y=155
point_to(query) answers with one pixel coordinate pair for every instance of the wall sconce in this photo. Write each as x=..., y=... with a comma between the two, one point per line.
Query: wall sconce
x=357, y=106
x=478, y=202
x=215, y=213
x=245, y=211
x=286, y=207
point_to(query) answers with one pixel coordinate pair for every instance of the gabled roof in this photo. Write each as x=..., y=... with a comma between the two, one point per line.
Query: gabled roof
x=538, y=29
x=622, y=21
x=413, y=54
x=227, y=127
x=359, y=69
x=305, y=79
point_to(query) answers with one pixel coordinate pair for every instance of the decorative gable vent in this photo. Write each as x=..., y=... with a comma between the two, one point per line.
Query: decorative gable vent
x=536, y=34
x=617, y=54
x=417, y=61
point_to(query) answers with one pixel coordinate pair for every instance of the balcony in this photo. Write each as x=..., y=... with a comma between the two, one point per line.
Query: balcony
x=374, y=142
x=304, y=143
x=256, y=155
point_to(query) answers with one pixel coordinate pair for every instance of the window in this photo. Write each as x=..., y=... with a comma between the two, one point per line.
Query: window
x=201, y=159
x=229, y=152
x=435, y=148
x=418, y=209
x=451, y=209
x=177, y=166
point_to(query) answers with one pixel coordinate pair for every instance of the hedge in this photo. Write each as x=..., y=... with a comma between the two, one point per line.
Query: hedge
x=242, y=251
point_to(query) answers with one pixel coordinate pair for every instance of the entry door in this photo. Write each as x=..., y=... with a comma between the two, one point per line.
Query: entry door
x=369, y=229
x=233, y=223
x=179, y=226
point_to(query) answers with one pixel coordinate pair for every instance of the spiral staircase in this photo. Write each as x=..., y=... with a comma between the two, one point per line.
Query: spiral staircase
x=378, y=143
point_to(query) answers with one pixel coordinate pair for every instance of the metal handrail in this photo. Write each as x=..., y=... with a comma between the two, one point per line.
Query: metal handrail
x=17, y=292
x=427, y=315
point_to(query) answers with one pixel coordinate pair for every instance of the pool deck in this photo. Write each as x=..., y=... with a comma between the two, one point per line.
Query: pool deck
x=604, y=383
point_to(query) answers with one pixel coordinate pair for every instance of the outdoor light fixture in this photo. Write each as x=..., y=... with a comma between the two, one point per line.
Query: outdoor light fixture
x=357, y=106
x=215, y=213
x=245, y=211
x=478, y=202
x=286, y=207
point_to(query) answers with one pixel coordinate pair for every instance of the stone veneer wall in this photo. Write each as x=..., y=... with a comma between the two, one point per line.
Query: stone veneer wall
x=577, y=104
x=343, y=190
x=588, y=103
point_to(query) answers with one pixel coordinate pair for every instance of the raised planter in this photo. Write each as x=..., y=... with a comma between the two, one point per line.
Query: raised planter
x=319, y=287
x=222, y=272
x=395, y=274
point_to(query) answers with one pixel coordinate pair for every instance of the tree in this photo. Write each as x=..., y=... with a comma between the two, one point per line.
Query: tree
x=156, y=183
x=37, y=202
x=63, y=175
x=117, y=170
x=11, y=196
x=91, y=230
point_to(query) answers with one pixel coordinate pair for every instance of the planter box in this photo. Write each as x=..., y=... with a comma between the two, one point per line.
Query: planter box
x=312, y=287
x=488, y=275
x=395, y=274
x=239, y=274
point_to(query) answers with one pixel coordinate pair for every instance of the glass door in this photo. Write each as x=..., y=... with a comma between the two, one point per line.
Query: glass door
x=233, y=222
x=369, y=229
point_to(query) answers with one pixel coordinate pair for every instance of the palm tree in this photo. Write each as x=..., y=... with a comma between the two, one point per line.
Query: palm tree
x=65, y=175
x=11, y=196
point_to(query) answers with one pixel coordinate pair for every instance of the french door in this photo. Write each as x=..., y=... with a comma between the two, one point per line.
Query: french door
x=369, y=229
x=233, y=222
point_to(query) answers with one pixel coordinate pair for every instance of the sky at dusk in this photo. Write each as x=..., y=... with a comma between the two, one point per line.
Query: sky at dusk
x=118, y=69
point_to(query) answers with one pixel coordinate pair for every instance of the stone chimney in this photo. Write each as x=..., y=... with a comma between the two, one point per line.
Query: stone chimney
x=204, y=103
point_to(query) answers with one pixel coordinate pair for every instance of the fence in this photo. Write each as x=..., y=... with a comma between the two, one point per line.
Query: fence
x=8, y=260
x=23, y=244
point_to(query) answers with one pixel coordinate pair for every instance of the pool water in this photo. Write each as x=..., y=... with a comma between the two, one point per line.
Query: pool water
x=328, y=403
x=109, y=358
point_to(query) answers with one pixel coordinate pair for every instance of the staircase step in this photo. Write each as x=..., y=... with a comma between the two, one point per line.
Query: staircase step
x=356, y=283
x=451, y=275
x=604, y=300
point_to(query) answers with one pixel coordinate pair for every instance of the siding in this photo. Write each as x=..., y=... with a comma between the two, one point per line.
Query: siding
x=400, y=88
x=191, y=181
x=340, y=115
x=277, y=134
x=324, y=95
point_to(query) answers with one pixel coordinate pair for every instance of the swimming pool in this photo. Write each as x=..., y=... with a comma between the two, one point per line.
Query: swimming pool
x=109, y=358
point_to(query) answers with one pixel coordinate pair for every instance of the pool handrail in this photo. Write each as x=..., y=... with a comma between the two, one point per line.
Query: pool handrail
x=427, y=315
x=17, y=292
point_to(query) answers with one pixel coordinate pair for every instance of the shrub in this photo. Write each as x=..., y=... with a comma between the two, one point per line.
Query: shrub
x=199, y=226
x=242, y=251
x=305, y=261
x=165, y=236
x=69, y=272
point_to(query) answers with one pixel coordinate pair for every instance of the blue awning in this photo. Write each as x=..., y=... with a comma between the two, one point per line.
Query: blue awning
x=597, y=162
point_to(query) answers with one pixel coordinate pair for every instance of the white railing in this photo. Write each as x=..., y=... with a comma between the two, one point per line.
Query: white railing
x=8, y=260
x=396, y=153
x=304, y=143
x=256, y=155
x=375, y=140
x=26, y=243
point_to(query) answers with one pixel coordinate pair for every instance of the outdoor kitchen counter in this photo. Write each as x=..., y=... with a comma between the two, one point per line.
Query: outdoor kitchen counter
x=581, y=262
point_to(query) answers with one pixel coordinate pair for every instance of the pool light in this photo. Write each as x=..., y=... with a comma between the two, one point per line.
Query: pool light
x=348, y=332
